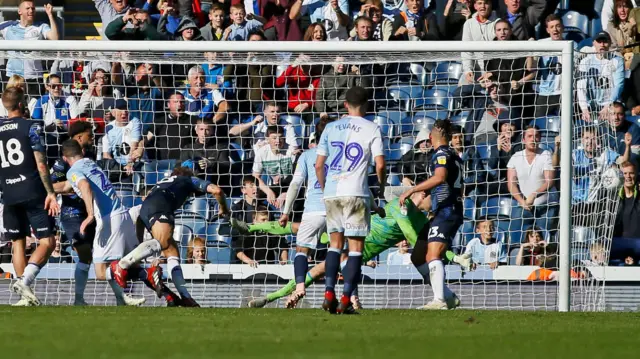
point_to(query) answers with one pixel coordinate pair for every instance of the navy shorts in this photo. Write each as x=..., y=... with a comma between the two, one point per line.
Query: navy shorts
x=71, y=228
x=19, y=218
x=155, y=209
x=443, y=227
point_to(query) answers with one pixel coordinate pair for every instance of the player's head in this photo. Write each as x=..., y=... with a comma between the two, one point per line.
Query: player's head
x=441, y=133
x=249, y=189
x=322, y=124
x=82, y=131
x=531, y=138
x=262, y=214
x=589, y=139
x=27, y=11
x=271, y=113
x=485, y=229
x=275, y=137
x=71, y=151
x=421, y=200
x=182, y=171
x=629, y=174
x=356, y=101
x=13, y=100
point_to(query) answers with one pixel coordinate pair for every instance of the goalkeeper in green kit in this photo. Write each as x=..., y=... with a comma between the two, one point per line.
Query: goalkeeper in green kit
x=399, y=224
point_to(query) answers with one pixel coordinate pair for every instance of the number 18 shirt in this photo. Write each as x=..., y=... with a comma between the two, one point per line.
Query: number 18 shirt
x=349, y=145
x=105, y=200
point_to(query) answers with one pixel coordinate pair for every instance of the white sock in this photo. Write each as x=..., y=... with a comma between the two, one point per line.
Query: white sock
x=144, y=250
x=117, y=291
x=423, y=269
x=81, y=275
x=436, y=270
x=175, y=273
x=30, y=274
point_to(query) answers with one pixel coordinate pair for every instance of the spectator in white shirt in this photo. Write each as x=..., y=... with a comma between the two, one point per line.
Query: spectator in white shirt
x=274, y=161
x=109, y=10
x=485, y=248
x=25, y=30
x=401, y=256
x=480, y=27
x=530, y=176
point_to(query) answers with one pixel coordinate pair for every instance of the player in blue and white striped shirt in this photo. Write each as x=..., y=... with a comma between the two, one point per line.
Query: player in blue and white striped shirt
x=314, y=222
x=347, y=146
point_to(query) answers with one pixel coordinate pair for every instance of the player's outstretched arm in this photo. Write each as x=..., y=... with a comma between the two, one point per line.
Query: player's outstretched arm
x=51, y=202
x=220, y=197
x=292, y=193
x=381, y=172
x=87, y=197
x=63, y=187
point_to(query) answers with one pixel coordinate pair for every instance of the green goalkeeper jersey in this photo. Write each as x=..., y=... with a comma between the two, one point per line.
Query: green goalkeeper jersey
x=397, y=226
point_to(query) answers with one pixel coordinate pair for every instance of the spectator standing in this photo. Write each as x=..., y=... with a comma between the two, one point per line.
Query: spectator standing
x=608, y=10
x=601, y=79
x=275, y=162
x=243, y=25
x=143, y=91
x=215, y=28
x=122, y=139
x=134, y=25
x=415, y=163
x=187, y=30
x=53, y=108
x=168, y=11
x=209, y=153
x=99, y=96
x=627, y=224
x=270, y=117
x=279, y=26
x=485, y=248
x=25, y=30
x=523, y=18
x=480, y=27
x=364, y=29
x=333, y=14
x=315, y=32
x=382, y=27
x=415, y=23
x=620, y=127
x=622, y=27
x=171, y=131
x=455, y=14
x=334, y=84
x=401, y=256
x=214, y=74
x=110, y=10
x=530, y=175
x=302, y=81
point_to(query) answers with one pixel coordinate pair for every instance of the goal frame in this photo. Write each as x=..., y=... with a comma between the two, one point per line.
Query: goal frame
x=566, y=48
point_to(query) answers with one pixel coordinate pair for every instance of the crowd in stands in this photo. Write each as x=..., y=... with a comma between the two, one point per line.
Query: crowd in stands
x=243, y=125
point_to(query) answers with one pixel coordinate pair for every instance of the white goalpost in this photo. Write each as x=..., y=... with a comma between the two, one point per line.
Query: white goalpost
x=412, y=84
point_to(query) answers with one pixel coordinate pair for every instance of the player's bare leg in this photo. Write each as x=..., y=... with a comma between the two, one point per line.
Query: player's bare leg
x=38, y=259
x=332, y=264
x=18, y=256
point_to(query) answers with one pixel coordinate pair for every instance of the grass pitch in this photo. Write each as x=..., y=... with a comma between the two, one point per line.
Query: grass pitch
x=110, y=332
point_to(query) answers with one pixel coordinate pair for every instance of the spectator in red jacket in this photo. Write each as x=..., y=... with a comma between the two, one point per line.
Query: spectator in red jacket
x=302, y=81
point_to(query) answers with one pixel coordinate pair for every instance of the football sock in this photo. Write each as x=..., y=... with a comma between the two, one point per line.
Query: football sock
x=436, y=270
x=331, y=265
x=300, y=267
x=175, y=271
x=288, y=288
x=117, y=291
x=144, y=250
x=81, y=275
x=271, y=228
x=352, y=272
x=30, y=274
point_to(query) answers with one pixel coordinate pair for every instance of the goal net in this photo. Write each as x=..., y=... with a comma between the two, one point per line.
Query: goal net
x=240, y=116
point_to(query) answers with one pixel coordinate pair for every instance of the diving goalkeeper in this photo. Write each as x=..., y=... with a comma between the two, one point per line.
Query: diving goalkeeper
x=385, y=233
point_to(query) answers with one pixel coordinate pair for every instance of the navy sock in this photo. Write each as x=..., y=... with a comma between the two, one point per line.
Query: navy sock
x=138, y=273
x=331, y=265
x=300, y=267
x=351, y=273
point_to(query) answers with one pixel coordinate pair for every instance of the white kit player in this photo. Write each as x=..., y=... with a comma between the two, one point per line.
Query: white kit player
x=344, y=152
x=313, y=223
x=115, y=232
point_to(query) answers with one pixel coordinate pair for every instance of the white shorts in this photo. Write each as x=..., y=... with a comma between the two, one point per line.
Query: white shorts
x=348, y=215
x=115, y=238
x=310, y=230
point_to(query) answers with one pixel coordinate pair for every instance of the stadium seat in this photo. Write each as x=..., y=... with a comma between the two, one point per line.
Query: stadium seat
x=500, y=207
x=157, y=170
x=469, y=208
x=219, y=254
x=446, y=73
x=440, y=114
x=395, y=116
x=182, y=234
x=406, y=144
x=418, y=71
x=200, y=206
x=583, y=235
x=548, y=124
x=394, y=179
x=634, y=119
x=197, y=225
x=125, y=193
x=236, y=152
x=297, y=123
x=393, y=152
x=433, y=99
x=386, y=125
x=460, y=119
x=576, y=26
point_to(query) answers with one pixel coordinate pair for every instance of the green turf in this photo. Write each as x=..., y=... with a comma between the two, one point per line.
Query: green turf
x=118, y=333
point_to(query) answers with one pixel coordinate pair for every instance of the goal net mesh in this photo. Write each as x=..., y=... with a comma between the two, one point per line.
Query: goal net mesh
x=216, y=111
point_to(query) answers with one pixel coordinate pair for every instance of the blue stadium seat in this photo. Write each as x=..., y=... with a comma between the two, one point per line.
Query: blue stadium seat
x=126, y=194
x=200, y=207
x=583, y=235
x=393, y=153
x=405, y=90
x=433, y=99
x=406, y=144
x=418, y=71
x=469, y=208
x=460, y=119
x=157, y=170
x=634, y=119
x=198, y=226
x=548, y=124
x=387, y=126
x=297, y=123
x=588, y=42
x=219, y=254
x=446, y=73
x=394, y=179
x=395, y=116
x=434, y=114
x=236, y=152
x=576, y=26
x=500, y=207
x=182, y=234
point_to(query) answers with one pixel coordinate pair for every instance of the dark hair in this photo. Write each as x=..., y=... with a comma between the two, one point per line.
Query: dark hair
x=552, y=17
x=182, y=171
x=248, y=179
x=71, y=148
x=79, y=127
x=445, y=128
x=263, y=37
x=274, y=129
x=456, y=129
x=308, y=34
x=362, y=18
x=618, y=104
x=357, y=97
x=12, y=98
x=262, y=210
x=616, y=18
x=269, y=103
x=320, y=127
x=51, y=77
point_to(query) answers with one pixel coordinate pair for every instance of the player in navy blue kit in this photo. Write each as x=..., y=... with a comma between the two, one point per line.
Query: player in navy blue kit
x=445, y=185
x=156, y=214
x=28, y=195
x=73, y=211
